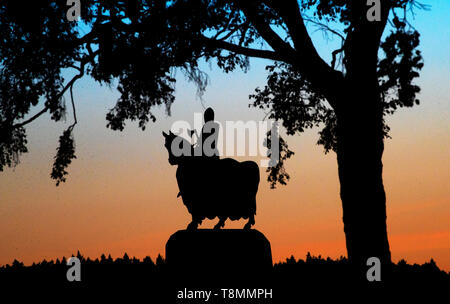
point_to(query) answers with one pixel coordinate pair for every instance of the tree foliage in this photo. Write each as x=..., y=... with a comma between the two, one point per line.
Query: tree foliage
x=141, y=43
x=64, y=155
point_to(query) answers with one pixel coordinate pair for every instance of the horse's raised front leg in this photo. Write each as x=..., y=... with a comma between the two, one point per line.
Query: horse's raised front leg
x=221, y=223
x=194, y=224
x=251, y=222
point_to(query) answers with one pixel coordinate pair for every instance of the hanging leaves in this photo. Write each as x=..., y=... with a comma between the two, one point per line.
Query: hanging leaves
x=64, y=155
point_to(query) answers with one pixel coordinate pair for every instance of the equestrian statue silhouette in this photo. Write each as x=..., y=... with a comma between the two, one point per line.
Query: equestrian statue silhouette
x=209, y=186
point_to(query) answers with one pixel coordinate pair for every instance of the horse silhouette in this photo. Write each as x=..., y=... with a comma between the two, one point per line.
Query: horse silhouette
x=210, y=187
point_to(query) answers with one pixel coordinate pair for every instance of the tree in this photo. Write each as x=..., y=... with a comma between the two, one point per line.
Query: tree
x=141, y=42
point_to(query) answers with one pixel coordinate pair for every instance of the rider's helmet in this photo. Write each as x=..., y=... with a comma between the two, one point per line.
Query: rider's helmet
x=208, y=115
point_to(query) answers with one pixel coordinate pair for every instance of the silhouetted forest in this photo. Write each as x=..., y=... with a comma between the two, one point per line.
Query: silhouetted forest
x=320, y=277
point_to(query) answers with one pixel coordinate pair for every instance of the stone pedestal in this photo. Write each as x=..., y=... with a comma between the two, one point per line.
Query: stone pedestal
x=218, y=253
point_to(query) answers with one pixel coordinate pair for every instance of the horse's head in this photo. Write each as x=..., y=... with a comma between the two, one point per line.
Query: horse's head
x=177, y=146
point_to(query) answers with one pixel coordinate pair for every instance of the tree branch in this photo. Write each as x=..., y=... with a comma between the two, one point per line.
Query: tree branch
x=69, y=85
x=306, y=59
x=334, y=54
x=21, y=124
x=250, y=10
x=325, y=27
x=364, y=37
x=73, y=107
x=266, y=54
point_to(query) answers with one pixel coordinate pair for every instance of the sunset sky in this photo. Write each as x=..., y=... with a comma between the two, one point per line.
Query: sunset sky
x=120, y=195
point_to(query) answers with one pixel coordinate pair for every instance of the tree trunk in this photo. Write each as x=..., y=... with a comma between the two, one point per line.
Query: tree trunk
x=359, y=155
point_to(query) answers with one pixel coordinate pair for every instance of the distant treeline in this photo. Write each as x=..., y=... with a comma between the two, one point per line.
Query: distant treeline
x=105, y=268
x=154, y=281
